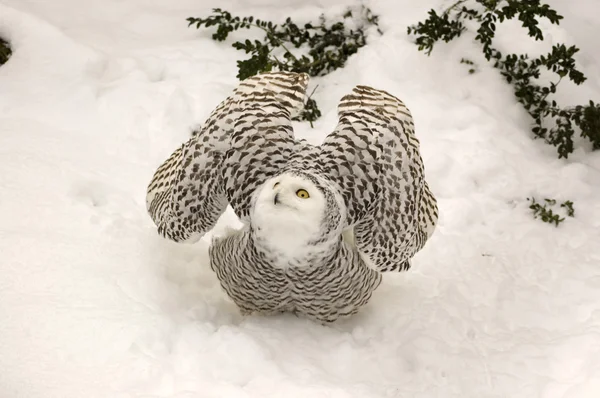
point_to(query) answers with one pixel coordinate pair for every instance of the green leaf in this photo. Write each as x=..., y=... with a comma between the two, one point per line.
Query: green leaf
x=329, y=44
x=518, y=69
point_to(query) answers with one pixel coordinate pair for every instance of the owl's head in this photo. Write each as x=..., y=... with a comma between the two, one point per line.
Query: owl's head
x=294, y=212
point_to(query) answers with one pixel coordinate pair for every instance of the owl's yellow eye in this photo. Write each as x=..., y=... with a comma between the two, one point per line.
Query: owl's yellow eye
x=302, y=193
x=275, y=186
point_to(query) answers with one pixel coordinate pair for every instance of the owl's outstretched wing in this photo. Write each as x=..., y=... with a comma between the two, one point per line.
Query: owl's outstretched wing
x=373, y=155
x=243, y=142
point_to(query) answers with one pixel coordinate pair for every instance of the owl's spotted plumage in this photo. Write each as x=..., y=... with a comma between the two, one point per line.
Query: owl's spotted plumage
x=321, y=222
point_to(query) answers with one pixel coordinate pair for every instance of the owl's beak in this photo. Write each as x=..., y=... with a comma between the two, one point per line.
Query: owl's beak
x=276, y=199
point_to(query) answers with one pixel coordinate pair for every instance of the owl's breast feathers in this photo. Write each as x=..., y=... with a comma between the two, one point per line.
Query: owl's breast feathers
x=324, y=288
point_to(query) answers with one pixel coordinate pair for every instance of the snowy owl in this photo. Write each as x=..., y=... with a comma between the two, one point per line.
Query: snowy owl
x=321, y=222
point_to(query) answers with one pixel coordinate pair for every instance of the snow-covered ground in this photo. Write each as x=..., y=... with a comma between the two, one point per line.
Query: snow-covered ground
x=93, y=303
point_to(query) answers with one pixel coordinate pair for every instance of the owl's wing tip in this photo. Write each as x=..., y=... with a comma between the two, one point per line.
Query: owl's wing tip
x=289, y=88
x=376, y=100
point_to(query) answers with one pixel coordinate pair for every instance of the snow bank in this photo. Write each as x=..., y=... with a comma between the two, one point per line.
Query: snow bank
x=94, y=304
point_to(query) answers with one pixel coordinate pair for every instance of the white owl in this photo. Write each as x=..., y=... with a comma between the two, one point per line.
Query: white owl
x=321, y=222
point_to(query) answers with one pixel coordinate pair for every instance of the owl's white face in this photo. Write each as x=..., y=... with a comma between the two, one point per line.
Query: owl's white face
x=288, y=213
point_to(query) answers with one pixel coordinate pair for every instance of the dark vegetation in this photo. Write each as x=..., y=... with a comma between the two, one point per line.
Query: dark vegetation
x=313, y=48
x=552, y=122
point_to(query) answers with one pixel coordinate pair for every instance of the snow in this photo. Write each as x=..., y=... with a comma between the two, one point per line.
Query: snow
x=93, y=303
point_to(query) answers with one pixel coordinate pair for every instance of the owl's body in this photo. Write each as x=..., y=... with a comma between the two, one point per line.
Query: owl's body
x=324, y=288
x=321, y=222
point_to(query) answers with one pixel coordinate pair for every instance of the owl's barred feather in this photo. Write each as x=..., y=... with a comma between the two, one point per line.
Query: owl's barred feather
x=370, y=211
x=374, y=156
x=187, y=194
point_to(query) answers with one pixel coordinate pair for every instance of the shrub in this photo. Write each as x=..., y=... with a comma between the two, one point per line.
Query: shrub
x=555, y=124
x=545, y=211
x=5, y=51
x=328, y=44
